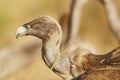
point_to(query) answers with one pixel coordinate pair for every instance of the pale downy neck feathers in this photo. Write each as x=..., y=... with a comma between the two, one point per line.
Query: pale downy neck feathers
x=52, y=46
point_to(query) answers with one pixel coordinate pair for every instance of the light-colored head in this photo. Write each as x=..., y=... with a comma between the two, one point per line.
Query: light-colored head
x=42, y=27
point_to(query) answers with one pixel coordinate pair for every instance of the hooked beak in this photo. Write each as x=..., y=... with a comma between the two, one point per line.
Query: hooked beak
x=21, y=31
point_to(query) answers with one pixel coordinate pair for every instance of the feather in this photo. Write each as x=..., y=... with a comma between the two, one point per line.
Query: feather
x=78, y=63
x=96, y=67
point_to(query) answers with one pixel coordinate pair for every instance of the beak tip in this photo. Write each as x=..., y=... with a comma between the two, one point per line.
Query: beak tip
x=17, y=35
x=20, y=32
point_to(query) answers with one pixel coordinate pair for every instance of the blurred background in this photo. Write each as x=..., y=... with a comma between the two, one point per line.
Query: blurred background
x=17, y=64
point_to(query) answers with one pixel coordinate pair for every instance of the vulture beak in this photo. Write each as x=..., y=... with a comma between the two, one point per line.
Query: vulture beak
x=21, y=31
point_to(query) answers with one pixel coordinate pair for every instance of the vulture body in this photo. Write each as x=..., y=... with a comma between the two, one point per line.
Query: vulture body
x=79, y=64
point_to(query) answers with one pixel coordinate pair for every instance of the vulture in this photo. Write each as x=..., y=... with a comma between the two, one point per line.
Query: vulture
x=79, y=64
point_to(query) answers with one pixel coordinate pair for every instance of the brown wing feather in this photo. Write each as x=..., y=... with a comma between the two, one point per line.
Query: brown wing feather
x=100, y=75
x=98, y=67
x=112, y=58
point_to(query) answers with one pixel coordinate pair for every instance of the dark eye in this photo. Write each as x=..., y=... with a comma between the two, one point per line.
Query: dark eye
x=26, y=26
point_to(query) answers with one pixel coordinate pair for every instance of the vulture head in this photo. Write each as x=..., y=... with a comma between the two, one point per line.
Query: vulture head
x=49, y=30
x=43, y=27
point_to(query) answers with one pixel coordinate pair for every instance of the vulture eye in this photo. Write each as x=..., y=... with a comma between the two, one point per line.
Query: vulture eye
x=26, y=26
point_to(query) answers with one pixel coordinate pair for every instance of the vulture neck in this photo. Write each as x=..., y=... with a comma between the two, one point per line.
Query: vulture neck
x=51, y=48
